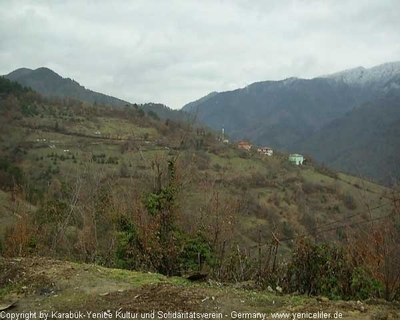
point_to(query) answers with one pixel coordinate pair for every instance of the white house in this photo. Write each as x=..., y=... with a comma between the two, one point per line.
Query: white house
x=266, y=150
x=296, y=158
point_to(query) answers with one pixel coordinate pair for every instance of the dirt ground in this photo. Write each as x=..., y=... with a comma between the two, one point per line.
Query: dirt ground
x=56, y=288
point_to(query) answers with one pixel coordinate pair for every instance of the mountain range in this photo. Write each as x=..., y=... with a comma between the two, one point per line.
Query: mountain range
x=347, y=120
x=50, y=84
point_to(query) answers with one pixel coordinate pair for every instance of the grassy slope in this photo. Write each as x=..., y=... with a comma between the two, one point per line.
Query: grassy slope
x=273, y=196
x=277, y=203
x=65, y=286
x=12, y=211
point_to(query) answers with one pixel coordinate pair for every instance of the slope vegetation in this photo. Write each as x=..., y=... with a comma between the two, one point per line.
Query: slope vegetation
x=49, y=83
x=364, y=141
x=278, y=113
x=296, y=115
x=116, y=187
x=65, y=287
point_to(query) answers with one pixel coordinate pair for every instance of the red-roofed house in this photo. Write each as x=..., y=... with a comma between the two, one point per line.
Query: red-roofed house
x=244, y=145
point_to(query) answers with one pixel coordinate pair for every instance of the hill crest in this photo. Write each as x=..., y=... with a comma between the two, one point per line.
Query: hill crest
x=285, y=114
x=366, y=76
x=50, y=83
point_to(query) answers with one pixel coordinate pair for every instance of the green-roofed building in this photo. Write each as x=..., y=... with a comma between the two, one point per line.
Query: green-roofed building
x=296, y=158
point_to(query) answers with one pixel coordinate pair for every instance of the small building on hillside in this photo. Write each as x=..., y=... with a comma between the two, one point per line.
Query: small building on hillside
x=296, y=158
x=244, y=145
x=266, y=150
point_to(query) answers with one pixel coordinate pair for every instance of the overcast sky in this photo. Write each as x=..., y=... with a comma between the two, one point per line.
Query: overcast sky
x=175, y=52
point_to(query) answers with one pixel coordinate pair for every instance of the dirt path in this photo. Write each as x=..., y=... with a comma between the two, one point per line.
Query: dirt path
x=55, y=287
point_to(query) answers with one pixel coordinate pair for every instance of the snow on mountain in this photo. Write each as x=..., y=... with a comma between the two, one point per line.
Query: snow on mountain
x=363, y=76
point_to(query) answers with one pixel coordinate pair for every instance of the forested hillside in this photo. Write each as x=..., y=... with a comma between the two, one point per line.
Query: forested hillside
x=278, y=113
x=117, y=187
x=365, y=141
x=299, y=115
x=50, y=84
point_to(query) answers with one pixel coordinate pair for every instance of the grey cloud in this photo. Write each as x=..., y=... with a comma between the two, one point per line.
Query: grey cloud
x=176, y=51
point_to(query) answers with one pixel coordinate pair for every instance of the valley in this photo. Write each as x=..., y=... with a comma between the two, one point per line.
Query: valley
x=200, y=160
x=122, y=188
x=317, y=116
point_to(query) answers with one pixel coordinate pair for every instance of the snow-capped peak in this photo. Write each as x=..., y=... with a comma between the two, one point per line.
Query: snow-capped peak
x=361, y=75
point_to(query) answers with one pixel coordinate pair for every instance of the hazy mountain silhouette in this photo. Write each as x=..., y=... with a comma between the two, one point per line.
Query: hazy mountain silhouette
x=294, y=115
x=49, y=83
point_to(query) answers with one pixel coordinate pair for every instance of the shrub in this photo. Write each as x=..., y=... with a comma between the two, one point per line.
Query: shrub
x=348, y=201
x=244, y=154
x=217, y=167
x=196, y=252
x=363, y=284
x=275, y=199
x=126, y=241
x=309, y=221
x=312, y=271
x=203, y=160
x=294, y=179
x=309, y=187
x=287, y=230
x=325, y=269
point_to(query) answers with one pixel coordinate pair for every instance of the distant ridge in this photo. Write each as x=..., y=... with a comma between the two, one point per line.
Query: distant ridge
x=191, y=106
x=16, y=74
x=49, y=83
x=310, y=116
x=361, y=75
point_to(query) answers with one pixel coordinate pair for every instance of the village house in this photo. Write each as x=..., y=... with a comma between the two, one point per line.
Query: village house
x=296, y=158
x=244, y=145
x=266, y=150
